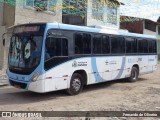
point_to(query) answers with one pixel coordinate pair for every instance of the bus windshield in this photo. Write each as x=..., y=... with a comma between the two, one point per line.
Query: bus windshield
x=25, y=51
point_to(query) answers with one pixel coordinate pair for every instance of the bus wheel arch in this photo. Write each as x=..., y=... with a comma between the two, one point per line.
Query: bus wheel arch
x=137, y=66
x=83, y=73
x=77, y=81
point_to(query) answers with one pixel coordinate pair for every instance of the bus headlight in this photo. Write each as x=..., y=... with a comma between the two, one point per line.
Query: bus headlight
x=35, y=77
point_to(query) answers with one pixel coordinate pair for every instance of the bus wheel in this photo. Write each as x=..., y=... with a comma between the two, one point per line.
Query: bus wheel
x=134, y=75
x=76, y=84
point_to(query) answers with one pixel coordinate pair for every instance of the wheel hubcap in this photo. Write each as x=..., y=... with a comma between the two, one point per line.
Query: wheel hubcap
x=76, y=84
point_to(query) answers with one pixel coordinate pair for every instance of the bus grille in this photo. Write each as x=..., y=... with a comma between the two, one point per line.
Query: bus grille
x=21, y=85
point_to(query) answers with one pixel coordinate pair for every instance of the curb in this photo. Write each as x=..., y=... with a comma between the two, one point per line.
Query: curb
x=3, y=82
x=3, y=85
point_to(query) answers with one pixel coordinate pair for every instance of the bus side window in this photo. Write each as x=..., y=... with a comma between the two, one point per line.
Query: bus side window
x=87, y=43
x=105, y=45
x=131, y=45
x=82, y=43
x=56, y=47
x=145, y=45
x=142, y=46
x=79, y=44
x=152, y=46
x=64, y=47
x=117, y=45
x=50, y=47
x=97, y=44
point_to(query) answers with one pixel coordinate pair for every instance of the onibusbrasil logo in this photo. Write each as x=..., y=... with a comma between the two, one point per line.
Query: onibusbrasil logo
x=74, y=64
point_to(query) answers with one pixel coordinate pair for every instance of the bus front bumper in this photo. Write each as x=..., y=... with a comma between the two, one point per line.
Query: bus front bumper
x=37, y=86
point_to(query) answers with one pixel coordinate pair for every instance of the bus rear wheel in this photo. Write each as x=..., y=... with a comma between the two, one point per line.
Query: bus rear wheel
x=76, y=84
x=134, y=75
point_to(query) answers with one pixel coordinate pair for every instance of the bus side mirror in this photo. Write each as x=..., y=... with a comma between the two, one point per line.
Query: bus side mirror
x=4, y=41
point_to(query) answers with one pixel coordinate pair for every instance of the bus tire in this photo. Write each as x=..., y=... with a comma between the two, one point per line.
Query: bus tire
x=76, y=84
x=134, y=75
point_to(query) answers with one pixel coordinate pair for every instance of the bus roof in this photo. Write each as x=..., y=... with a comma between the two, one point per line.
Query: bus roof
x=56, y=25
x=96, y=30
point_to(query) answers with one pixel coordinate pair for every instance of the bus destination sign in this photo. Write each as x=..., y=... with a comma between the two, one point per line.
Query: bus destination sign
x=22, y=29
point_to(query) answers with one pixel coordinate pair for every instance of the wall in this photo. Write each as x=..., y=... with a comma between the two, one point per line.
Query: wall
x=92, y=22
x=9, y=15
x=134, y=27
x=1, y=13
x=28, y=14
x=149, y=32
x=8, y=20
x=158, y=40
x=158, y=46
x=2, y=30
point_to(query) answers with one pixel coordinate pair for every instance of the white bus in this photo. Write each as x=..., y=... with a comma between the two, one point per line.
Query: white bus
x=46, y=57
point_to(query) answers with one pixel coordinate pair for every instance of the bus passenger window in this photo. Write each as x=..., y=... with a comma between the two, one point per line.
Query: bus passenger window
x=64, y=47
x=131, y=45
x=97, y=44
x=50, y=48
x=87, y=43
x=79, y=44
x=105, y=45
x=56, y=47
x=145, y=46
x=152, y=46
x=142, y=46
x=82, y=43
x=117, y=45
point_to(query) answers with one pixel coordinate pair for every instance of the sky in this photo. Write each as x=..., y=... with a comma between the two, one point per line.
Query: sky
x=149, y=9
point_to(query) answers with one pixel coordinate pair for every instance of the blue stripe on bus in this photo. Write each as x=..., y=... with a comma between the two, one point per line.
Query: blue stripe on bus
x=97, y=76
x=121, y=69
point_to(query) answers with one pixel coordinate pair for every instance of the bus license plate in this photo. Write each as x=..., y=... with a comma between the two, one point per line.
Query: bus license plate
x=17, y=86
